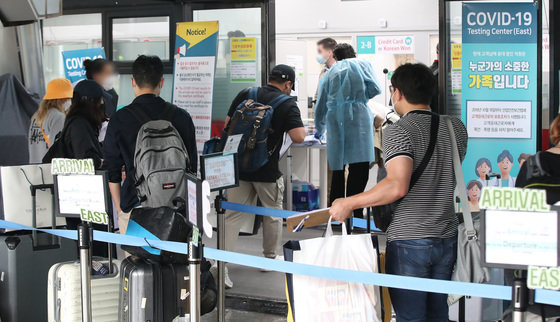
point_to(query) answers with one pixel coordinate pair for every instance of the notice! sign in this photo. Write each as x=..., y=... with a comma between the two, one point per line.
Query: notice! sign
x=195, y=64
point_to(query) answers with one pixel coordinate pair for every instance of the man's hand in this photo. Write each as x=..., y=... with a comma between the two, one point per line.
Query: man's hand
x=341, y=210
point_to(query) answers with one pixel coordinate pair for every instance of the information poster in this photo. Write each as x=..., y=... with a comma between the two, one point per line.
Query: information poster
x=499, y=90
x=196, y=45
x=73, y=61
x=243, y=59
x=456, y=65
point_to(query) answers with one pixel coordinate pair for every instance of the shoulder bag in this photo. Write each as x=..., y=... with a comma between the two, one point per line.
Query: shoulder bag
x=469, y=262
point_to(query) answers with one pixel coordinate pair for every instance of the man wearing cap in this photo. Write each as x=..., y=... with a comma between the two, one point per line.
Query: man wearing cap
x=48, y=121
x=267, y=183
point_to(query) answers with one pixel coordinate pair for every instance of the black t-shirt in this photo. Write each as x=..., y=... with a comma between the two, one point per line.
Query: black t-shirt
x=285, y=118
x=549, y=163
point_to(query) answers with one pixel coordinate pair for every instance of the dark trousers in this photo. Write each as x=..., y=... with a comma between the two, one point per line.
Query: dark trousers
x=358, y=175
x=429, y=258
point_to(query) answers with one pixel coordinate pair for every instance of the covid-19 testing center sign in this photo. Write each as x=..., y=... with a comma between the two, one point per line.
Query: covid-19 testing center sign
x=499, y=88
x=73, y=61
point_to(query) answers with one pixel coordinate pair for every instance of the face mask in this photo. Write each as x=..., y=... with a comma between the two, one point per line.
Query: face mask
x=394, y=104
x=320, y=59
x=109, y=82
x=66, y=105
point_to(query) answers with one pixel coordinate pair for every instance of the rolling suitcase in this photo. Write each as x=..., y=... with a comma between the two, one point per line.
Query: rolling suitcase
x=152, y=291
x=25, y=259
x=64, y=290
x=64, y=293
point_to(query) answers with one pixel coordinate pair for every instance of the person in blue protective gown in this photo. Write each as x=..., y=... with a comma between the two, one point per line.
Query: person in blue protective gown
x=342, y=112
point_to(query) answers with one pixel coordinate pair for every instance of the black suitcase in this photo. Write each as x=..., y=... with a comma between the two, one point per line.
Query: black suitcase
x=25, y=260
x=152, y=291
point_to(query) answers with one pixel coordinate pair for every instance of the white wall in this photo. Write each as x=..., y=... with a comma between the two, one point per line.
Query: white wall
x=419, y=18
x=9, y=62
x=303, y=16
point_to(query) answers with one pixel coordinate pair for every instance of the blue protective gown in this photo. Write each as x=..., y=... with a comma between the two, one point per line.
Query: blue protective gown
x=342, y=111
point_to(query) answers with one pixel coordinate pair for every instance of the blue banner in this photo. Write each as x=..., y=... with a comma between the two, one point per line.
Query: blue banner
x=499, y=90
x=73, y=61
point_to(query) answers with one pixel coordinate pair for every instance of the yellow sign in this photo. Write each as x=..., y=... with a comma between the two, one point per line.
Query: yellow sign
x=244, y=48
x=195, y=32
x=456, y=55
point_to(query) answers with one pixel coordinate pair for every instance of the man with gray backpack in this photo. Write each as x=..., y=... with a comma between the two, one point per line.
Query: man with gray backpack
x=153, y=140
x=262, y=115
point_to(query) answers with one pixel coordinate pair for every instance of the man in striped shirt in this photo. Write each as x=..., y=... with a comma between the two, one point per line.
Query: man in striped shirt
x=422, y=237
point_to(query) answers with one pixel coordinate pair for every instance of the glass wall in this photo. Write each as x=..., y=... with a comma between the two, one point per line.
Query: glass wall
x=137, y=36
x=68, y=32
x=244, y=22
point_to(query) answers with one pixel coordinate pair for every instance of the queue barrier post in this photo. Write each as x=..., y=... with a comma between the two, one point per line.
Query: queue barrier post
x=84, y=244
x=194, y=260
x=221, y=213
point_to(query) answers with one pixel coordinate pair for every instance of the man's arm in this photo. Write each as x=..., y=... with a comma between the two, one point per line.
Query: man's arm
x=113, y=161
x=297, y=135
x=388, y=190
x=115, y=189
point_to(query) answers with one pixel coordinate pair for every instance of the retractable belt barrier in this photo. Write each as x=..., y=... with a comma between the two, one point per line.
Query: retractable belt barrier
x=499, y=292
x=356, y=222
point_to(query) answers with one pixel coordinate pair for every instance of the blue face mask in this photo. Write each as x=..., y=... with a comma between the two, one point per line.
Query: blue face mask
x=320, y=59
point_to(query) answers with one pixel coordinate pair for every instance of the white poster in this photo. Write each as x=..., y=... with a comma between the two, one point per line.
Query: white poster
x=193, y=89
x=499, y=119
x=296, y=61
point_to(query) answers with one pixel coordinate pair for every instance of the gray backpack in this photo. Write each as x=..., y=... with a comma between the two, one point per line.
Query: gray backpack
x=160, y=160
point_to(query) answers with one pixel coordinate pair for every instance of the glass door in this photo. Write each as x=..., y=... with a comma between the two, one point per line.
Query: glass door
x=243, y=51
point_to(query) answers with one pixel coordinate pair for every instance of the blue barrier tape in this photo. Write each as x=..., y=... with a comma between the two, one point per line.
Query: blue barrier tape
x=356, y=222
x=106, y=237
x=396, y=281
x=258, y=210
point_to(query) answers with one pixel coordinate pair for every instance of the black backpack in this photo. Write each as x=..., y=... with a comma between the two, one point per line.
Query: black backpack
x=539, y=178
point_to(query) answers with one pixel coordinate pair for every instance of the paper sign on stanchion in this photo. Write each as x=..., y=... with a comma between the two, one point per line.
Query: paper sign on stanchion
x=81, y=192
x=220, y=170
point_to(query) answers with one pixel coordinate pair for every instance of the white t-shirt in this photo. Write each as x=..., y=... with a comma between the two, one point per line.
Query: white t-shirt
x=52, y=125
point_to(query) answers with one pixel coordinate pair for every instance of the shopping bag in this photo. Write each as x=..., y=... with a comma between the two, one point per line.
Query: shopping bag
x=16, y=202
x=316, y=299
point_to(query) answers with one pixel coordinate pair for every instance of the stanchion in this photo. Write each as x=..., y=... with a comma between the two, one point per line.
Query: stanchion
x=194, y=260
x=221, y=213
x=84, y=244
x=520, y=298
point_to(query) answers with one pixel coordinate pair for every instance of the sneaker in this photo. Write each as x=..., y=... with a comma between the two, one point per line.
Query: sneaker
x=214, y=271
x=277, y=257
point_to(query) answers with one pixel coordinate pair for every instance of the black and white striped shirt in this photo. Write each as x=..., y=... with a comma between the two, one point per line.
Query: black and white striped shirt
x=427, y=210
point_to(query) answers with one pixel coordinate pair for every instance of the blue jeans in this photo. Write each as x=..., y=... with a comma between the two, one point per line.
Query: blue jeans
x=429, y=258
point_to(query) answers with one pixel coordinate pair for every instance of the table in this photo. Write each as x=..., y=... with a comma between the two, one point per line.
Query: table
x=323, y=172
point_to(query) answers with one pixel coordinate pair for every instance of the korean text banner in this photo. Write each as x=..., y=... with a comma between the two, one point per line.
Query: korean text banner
x=73, y=61
x=499, y=90
x=196, y=46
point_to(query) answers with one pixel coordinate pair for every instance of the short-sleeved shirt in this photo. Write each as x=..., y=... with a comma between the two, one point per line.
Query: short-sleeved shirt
x=285, y=118
x=52, y=125
x=427, y=211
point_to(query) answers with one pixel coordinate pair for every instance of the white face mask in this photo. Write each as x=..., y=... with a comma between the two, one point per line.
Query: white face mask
x=66, y=105
x=109, y=82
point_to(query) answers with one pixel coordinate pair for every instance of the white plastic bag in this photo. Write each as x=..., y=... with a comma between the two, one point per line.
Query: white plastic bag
x=317, y=299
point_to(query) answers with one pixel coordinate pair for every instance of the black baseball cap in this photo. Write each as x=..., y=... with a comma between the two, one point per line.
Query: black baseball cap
x=284, y=72
x=88, y=89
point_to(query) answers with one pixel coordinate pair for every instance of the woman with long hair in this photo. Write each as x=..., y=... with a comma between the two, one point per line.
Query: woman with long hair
x=81, y=131
x=83, y=123
x=102, y=71
x=48, y=121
